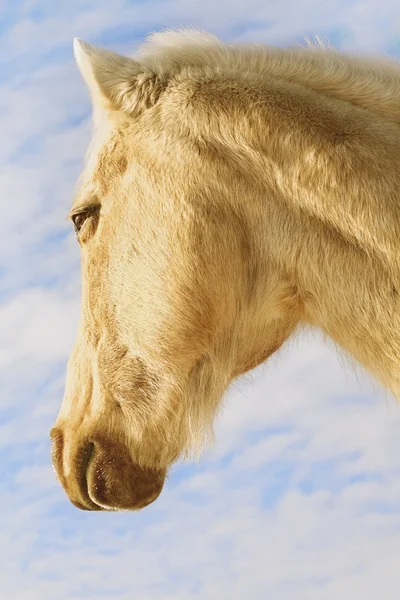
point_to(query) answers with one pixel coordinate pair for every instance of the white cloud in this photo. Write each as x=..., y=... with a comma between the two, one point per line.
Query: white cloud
x=36, y=326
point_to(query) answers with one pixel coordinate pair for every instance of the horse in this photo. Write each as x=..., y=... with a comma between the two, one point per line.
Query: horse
x=232, y=194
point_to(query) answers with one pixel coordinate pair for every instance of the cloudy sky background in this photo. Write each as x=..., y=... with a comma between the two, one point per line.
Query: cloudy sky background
x=300, y=497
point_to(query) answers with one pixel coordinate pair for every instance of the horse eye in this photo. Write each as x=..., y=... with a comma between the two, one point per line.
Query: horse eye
x=79, y=220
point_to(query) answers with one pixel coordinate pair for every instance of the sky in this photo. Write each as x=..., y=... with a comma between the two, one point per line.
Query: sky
x=300, y=495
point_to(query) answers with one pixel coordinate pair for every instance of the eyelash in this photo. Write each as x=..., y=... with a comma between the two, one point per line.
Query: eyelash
x=85, y=221
x=75, y=220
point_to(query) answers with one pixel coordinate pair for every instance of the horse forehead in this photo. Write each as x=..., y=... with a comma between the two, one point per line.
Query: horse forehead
x=111, y=162
x=106, y=159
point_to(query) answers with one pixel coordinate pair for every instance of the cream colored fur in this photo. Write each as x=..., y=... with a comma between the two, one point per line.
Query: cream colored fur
x=232, y=194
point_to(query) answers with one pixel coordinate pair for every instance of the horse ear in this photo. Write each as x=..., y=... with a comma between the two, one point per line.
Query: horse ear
x=116, y=82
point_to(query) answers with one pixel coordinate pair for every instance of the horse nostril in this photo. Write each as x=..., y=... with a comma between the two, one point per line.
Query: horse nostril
x=55, y=431
x=57, y=442
x=56, y=436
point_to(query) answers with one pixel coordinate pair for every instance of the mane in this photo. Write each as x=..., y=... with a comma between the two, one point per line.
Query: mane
x=372, y=83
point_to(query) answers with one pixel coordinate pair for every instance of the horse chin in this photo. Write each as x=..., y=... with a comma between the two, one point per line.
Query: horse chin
x=115, y=482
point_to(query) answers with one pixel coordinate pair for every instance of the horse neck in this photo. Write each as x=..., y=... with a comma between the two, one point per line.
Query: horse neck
x=333, y=225
x=367, y=82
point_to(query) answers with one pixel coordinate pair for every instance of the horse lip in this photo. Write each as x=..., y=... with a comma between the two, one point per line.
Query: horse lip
x=88, y=504
x=92, y=486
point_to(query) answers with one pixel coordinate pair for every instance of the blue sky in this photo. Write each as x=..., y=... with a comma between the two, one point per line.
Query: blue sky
x=300, y=495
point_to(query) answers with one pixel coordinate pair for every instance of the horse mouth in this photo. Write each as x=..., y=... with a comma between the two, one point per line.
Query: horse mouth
x=101, y=475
